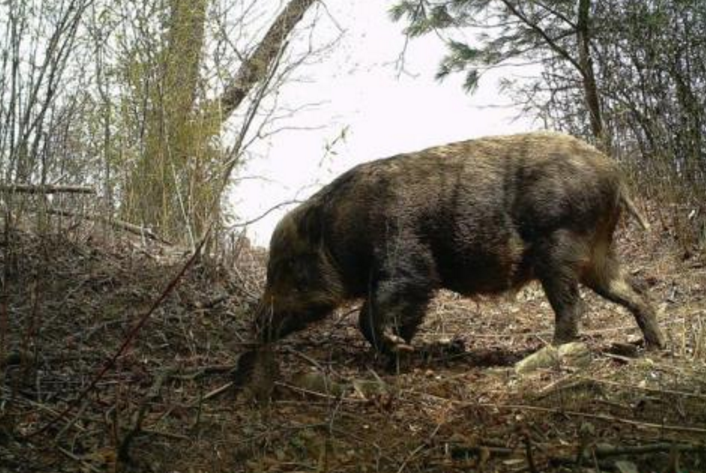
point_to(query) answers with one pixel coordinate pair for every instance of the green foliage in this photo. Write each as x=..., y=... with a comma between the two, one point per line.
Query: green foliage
x=501, y=31
x=171, y=182
x=422, y=19
x=461, y=56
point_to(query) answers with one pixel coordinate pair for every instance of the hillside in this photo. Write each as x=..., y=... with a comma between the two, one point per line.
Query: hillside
x=71, y=299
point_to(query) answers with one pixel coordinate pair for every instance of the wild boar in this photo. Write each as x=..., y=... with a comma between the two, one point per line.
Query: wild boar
x=476, y=217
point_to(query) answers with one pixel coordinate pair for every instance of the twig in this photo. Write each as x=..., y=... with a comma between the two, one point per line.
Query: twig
x=72, y=423
x=83, y=463
x=605, y=417
x=477, y=450
x=216, y=391
x=530, y=455
x=169, y=435
x=152, y=395
x=318, y=394
x=541, y=333
x=195, y=373
x=265, y=214
x=304, y=357
x=414, y=452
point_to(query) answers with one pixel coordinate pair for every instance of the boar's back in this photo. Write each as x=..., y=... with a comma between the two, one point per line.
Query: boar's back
x=475, y=207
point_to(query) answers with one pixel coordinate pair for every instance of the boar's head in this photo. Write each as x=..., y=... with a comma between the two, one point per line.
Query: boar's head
x=303, y=284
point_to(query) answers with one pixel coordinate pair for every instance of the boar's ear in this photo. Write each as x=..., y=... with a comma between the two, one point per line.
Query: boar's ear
x=310, y=225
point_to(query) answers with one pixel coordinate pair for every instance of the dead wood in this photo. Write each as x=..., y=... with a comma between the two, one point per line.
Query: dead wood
x=46, y=189
x=119, y=224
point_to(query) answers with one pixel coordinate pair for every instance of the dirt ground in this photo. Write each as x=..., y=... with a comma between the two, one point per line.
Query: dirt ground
x=72, y=299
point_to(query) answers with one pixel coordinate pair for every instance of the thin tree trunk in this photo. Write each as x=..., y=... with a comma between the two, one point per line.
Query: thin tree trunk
x=590, y=89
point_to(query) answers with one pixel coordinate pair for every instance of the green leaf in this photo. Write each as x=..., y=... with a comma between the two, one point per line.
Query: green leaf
x=471, y=83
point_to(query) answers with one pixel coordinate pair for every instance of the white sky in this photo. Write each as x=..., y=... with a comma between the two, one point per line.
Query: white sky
x=358, y=87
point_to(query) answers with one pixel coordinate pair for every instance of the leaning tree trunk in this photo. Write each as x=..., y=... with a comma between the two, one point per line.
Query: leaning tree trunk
x=255, y=68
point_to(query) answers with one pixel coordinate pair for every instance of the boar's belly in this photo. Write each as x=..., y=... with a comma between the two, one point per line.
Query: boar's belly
x=485, y=270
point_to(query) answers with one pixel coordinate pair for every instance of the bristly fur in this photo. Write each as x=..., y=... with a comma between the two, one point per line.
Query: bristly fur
x=477, y=217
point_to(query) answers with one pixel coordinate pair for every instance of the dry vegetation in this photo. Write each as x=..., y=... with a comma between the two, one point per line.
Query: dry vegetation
x=71, y=299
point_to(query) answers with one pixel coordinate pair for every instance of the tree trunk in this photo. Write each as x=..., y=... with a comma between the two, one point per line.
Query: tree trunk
x=590, y=89
x=172, y=188
x=160, y=186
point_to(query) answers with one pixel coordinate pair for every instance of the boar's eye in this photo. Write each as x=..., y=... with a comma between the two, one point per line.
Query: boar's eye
x=301, y=273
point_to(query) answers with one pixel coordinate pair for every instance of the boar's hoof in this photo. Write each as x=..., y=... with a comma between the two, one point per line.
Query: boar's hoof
x=653, y=343
x=397, y=344
x=242, y=374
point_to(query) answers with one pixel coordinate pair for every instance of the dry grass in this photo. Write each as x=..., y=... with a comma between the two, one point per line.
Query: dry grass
x=456, y=405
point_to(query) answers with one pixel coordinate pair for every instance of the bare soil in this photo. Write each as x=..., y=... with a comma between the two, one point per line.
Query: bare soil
x=70, y=299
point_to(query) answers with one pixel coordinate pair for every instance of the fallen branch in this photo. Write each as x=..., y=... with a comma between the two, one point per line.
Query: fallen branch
x=119, y=224
x=645, y=388
x=86, y=466
x=587, y=415
x=604, y=417
x=46, y=189
x=604, y=452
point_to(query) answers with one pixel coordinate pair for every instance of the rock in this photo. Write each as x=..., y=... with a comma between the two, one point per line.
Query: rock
x=318, y=382
x=547, y=357
x=626, y=467
x=366, y=388
x=575, y=354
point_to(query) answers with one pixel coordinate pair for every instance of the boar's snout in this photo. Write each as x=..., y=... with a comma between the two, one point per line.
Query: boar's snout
x=277, y=316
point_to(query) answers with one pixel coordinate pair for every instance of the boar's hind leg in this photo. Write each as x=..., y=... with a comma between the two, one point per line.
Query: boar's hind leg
x=607, y=278
x=556, y=268
x=394, y=309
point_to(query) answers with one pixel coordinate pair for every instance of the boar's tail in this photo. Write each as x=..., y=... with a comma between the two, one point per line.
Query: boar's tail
x=632, y=209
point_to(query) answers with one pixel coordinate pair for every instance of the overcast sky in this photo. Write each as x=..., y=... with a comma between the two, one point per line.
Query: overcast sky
x=358, y=87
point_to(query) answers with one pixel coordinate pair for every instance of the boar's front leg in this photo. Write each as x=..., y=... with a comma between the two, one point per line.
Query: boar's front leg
x=390, y=327
x=396, y=304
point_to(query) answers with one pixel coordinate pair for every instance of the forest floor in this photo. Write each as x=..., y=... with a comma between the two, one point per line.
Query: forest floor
x=71, y=299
